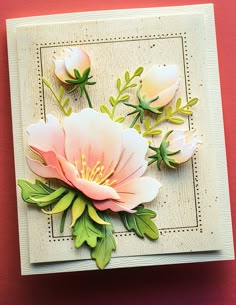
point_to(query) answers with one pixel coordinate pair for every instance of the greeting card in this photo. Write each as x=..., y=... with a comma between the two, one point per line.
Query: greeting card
x=119, y=143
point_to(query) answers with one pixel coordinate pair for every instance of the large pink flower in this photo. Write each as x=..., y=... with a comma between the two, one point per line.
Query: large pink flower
x=96, y=156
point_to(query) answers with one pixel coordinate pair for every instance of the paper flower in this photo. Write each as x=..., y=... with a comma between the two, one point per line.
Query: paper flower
x=68, y=61
x=162, y=82
x=96, y=156
x=177, y=147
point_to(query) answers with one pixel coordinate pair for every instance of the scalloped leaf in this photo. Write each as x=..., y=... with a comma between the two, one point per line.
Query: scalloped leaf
x=141, y=222
x=105, y=245
x=30, y=191
x=86, y=231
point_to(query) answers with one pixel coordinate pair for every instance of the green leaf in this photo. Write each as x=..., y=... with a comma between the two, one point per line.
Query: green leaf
x=118, y=83
x=139, y=71
x=63, y=220
x=94, y=215
x=169, y=111
x=138, y=128
x=51, y=197
x=176, y=120
x=124, y=98
x=192, y=102
x=104, y=109
x=85, y=230
x=147, y=123
x=62, y=204
x=141, y=222
x=112, y=101
x=61, y=93
x=78, y=208
x=120, y=119
x=105, y=245
x=154, y=132
x=186, y=112
x=30, y=190
x=178, y=103
x=127, y=76
x=65, y=102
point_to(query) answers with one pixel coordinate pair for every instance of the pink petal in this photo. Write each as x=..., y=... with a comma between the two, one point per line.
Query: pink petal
x=45, y=171
x=49, y=157
x=166, y=96
x=47, y=136
x=132, y=194
x=158, y=79
x=132, y=162
x=112, y=205
x=91, y=189
x=77, y=59
x=95, y=136
x=60, y=70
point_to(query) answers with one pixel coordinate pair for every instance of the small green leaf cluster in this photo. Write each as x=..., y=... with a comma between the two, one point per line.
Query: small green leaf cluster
x=162, y=154
x=121, y=96
x=62, y=102
x=89, y=226
x=141, y=222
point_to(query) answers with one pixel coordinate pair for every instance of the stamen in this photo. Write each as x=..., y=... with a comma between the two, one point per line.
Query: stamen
x=107, y=176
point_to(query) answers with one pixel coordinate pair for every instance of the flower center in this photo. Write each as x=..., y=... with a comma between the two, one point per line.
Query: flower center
x=95, y=174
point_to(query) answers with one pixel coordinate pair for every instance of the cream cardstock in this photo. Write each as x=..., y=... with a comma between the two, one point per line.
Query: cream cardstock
x=193, y=212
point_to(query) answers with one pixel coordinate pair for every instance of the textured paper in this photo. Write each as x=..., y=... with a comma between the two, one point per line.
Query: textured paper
x=188, y=202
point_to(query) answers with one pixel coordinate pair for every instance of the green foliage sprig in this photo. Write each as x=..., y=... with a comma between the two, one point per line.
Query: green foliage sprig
x=121, y=96
x=169, y=115
x=62, y=102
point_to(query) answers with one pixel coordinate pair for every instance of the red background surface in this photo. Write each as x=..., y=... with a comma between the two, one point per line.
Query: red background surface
x=200, y=284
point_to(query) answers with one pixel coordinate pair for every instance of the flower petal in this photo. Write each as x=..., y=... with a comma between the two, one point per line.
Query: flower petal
x=60, y=70
x=140, y=190
x=158, y=79
x=91, y=189
x=76, y=59
x=183, y=140
x=132, y=162
x=47, y=136
x=95, y=136
x=166, y=96
x=45, y=171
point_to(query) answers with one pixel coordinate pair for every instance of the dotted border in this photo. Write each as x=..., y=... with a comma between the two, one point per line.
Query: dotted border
x=41, y=105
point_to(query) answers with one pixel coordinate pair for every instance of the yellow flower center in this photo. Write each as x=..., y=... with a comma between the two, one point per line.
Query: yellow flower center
x=95, y=174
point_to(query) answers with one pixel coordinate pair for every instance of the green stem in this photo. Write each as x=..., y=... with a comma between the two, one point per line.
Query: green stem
x=134, y=121
x=150, y=162
x=119, y=95
x=88, y=98
x=57, y=99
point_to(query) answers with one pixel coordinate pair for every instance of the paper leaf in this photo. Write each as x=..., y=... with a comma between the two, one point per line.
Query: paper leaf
x=193, y=102
x=176, y=120
x=141, y=222
x=78, y=208
x=51, y=197
x=104, y=109
x=37, y=190
x=62, y=204
x=85, y=230
x=105, y=245
x=94, y=215
x=120, y=119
